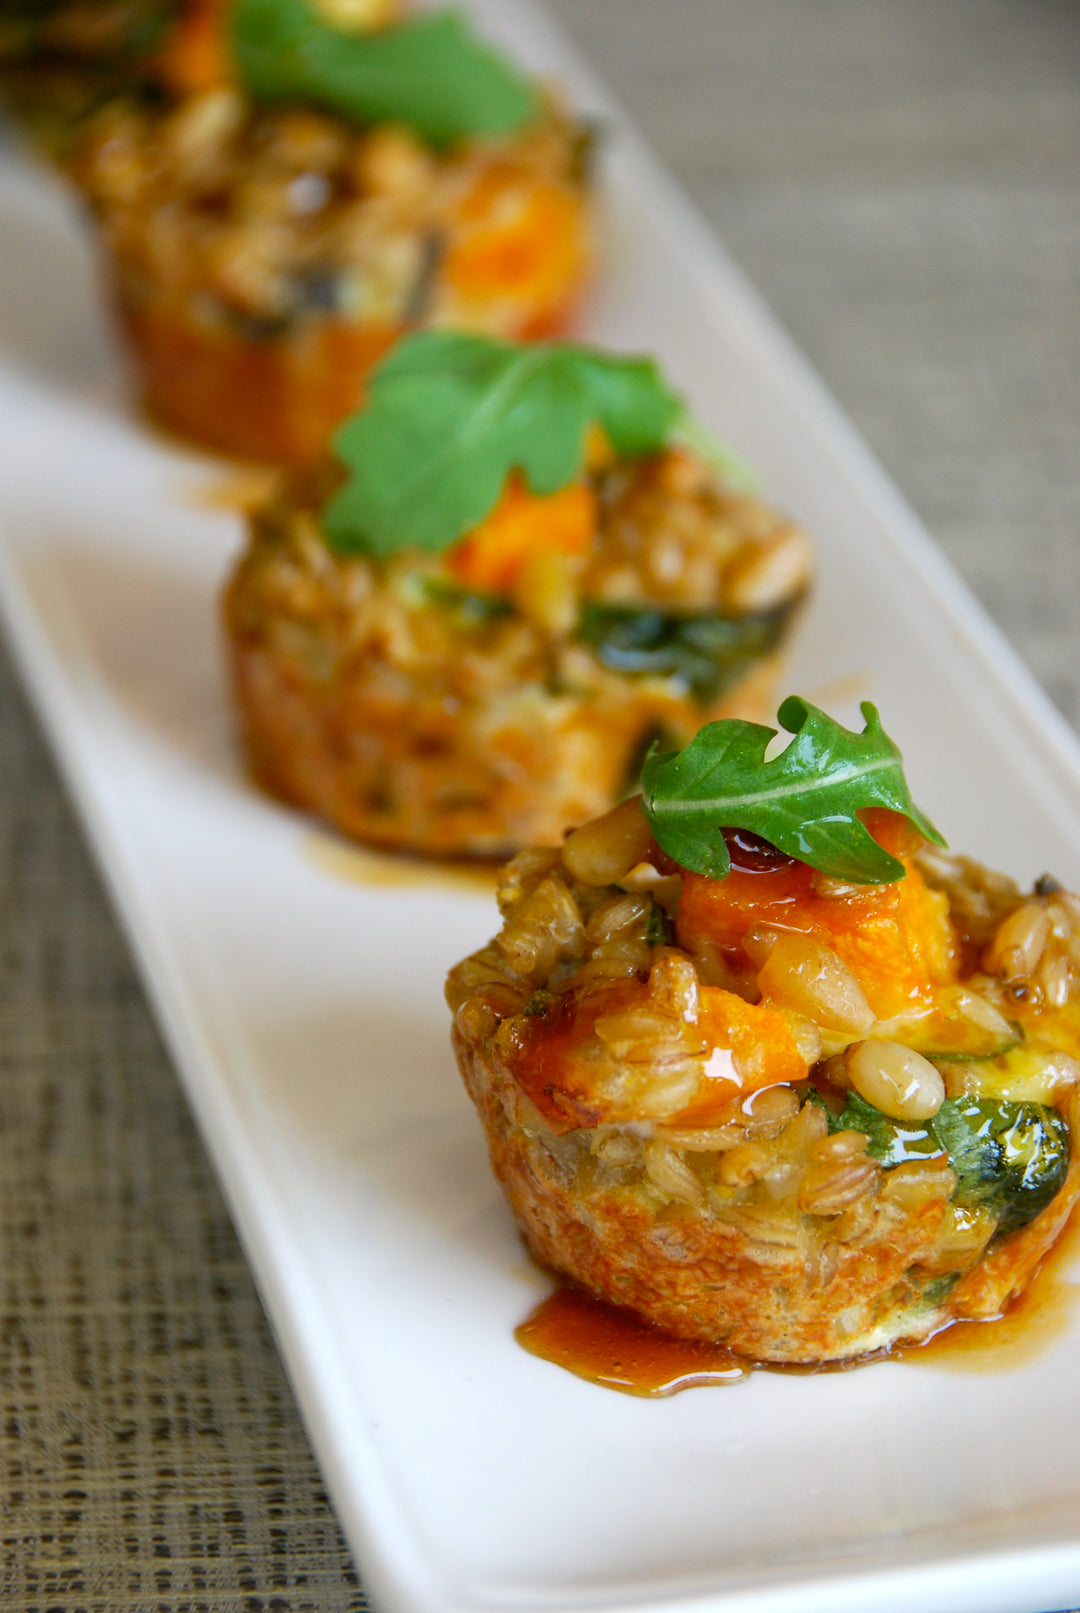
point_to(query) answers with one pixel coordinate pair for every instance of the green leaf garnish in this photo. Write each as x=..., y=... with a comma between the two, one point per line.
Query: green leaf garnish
x=449, y=416
x=471, y=608
x=891, y=1142
x=708, y=653
x=429, y=71
x=804, y=801
x=1010, y=1158
x=659, y=930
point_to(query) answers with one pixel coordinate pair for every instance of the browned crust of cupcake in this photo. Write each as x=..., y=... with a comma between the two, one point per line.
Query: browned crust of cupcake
x=404, y=770
x=758, y=1285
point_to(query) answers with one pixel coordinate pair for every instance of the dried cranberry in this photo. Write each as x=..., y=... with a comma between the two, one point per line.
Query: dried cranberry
x=750, y=854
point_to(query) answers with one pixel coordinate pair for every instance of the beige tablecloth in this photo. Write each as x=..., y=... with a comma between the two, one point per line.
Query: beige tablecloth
x=902, y=180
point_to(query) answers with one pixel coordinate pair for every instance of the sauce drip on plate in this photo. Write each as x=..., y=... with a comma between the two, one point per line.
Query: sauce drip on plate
x=614, y=1348
x=1030, y=1327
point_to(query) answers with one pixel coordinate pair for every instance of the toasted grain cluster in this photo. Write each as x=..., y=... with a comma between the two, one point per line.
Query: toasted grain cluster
x=419, y=717
x=661, y=1110
x=264, y=257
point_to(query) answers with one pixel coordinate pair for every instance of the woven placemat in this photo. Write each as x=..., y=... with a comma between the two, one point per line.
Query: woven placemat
x=153, y=1457
x=902, y=180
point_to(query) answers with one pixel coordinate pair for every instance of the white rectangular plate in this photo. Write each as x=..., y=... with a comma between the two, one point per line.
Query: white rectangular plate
x=304, y=1008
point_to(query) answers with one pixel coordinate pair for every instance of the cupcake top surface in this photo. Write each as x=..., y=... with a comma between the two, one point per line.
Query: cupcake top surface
x=561, y=484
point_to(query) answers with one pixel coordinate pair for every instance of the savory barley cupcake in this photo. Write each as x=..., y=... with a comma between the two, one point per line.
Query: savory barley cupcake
x=756, y=1098
x=321, y=177
x=520, y=579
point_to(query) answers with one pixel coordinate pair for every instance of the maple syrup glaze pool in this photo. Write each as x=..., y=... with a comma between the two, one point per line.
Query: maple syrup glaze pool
x=1030, y=1327
x=615, y=1349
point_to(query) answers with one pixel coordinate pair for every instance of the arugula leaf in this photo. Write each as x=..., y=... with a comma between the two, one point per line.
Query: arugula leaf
x=890, y=1142
x=628, y=396
x=708, y=653
x=804, y=801
x=449, y=416
x=1010, y=1158
x=429, y=71
x=471, y=607
x=937, y=1290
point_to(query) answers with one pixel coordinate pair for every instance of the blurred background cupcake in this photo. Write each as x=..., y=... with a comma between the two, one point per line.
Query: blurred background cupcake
x=293, y=184
x=463, y=636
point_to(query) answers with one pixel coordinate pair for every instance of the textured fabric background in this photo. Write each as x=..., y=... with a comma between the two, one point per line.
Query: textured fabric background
x=902, y=180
